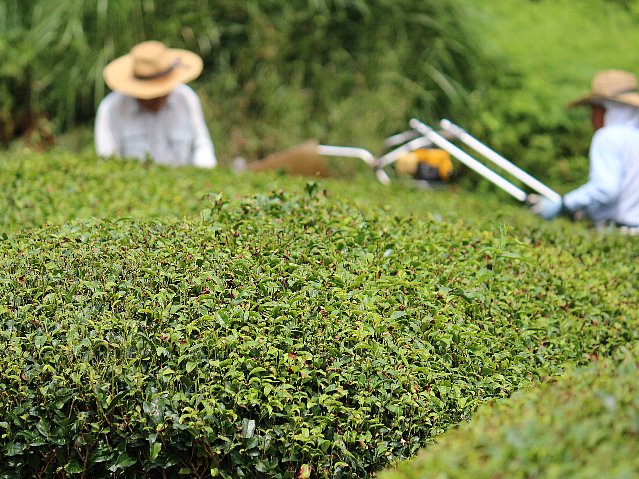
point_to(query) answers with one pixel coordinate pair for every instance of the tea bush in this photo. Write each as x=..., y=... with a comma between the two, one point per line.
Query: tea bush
x=585, y=425
x=284, y=335
x=56, y=187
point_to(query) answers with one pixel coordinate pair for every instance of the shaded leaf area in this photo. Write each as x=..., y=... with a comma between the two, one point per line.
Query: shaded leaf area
x=284, y=335
x=586, y=425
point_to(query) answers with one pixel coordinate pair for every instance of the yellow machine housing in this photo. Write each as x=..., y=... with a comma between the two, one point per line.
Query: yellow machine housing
x=426, y=163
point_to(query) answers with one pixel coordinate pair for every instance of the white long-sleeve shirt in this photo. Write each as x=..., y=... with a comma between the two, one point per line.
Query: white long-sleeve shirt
x=175, y=135
x=612, y=190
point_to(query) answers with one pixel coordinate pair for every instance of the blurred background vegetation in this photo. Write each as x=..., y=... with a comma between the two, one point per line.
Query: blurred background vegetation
x=346, y=72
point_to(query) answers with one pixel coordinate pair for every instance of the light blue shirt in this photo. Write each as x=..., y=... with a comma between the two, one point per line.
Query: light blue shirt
x=612, y=190
x=175, y=135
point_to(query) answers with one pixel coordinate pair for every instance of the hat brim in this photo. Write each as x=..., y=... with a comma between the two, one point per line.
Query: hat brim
x=118, y=75
x=631, y=99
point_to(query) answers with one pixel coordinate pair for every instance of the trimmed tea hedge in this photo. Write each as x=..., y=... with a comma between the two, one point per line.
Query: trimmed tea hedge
x=284, y=335
x=57, y=187
x=586, y=425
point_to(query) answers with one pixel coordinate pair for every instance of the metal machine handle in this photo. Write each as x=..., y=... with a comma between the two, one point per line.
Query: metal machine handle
x=500, y=161
x=348, y=151
x=361, y=153
x=468, y=160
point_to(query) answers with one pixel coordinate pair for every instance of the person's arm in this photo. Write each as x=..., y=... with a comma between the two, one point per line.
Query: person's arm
x=606, y=170
x=203, y=150
x=106, y=143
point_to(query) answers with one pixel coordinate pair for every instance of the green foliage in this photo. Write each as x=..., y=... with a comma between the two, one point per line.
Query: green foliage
x=585, y=425
x=283, y=333
x=313, y=329
x=57, y=187
x=548, y=53
x=625, y=3
x=275, y=71
x=347, y=72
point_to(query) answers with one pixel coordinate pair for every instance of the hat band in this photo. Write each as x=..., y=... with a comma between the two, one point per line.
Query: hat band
x=630, y=90
x=154, y=76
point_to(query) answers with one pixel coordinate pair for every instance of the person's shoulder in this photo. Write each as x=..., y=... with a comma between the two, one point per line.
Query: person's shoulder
x=184, y=91
x=612, y=137
x=114, y=100
x=184, y=97
x=114, y=96
x=616, y=131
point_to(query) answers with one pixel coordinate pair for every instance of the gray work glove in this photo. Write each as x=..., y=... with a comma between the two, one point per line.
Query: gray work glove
x=542, y=206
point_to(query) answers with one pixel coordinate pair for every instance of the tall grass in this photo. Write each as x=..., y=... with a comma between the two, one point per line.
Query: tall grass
x=270, y=66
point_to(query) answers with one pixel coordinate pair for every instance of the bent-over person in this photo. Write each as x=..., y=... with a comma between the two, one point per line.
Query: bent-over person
x=611, y=195
x=151, y=113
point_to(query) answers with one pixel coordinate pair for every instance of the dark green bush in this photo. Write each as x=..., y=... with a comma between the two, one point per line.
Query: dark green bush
x=283, y=334
x=585, y=425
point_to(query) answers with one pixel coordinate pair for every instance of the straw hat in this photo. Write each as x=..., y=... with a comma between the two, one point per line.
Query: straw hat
x=613, y=85
x=151, y=70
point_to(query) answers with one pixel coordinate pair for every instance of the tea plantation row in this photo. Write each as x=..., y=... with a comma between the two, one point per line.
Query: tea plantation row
x=584, y=426
x=308, y=333
x=57, y=187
